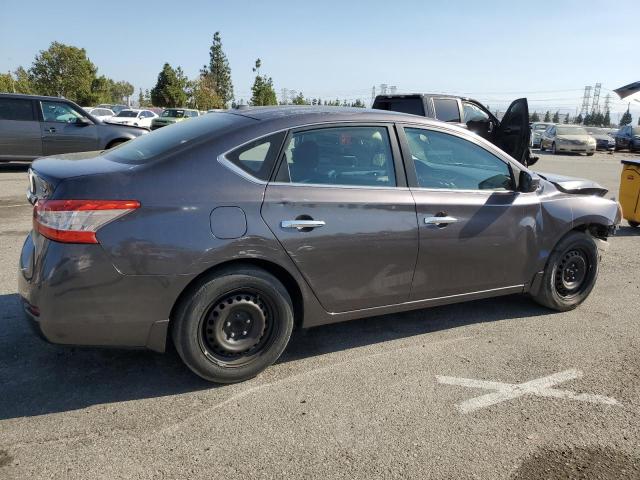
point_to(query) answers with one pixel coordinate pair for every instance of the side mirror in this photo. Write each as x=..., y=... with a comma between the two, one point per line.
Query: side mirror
x=527, y=182
x=83, y=122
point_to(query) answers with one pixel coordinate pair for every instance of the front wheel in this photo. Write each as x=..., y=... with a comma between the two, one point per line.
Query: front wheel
x=570, y=273
x=542, y=146
x=233, y=325
x=590, y=154
x=553, y=148
x=633, y=224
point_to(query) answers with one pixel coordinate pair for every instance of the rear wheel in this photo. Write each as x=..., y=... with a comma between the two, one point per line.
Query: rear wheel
x=633, y=224
x=542, y=149
x=570, y=273
x=233, y=325
x=590, y=154
x=553, y=148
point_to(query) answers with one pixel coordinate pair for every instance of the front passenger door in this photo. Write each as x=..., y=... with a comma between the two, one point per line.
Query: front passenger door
x=66, y=130
x=477, y=233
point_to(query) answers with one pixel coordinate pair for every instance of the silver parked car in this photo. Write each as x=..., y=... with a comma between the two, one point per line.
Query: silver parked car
x=537, y=129
x=32, y=126
x=567, y=138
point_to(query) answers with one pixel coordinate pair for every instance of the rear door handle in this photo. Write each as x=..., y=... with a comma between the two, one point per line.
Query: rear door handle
x=51, y=130
x=440, y=220
x=302, y=224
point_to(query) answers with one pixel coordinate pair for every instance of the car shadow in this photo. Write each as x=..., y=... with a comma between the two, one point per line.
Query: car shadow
x=628, y=231
x=39, y=378
x=14, y=167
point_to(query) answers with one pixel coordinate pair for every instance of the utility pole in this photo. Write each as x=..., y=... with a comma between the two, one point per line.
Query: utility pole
x=284, y=96
x=607, y=103
x=373, y=94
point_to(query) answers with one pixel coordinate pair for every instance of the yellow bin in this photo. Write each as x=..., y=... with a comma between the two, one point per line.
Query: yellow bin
x=630, y=191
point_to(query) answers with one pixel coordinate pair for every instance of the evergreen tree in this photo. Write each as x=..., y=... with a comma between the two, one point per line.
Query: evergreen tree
x=535, y=117
x=358, y=103
x=299, y=100
x=566, y=119
x=262, y=92
x=219, y=70
x=626, y=118
x=547, y=116
x=203, y=94
x=578, y=120
x=170, y=88
x=587, y=119
x=556, y=117
x=606, y=120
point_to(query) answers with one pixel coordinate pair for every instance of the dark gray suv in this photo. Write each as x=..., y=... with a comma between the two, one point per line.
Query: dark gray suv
x=226, y=231
x=32, y=126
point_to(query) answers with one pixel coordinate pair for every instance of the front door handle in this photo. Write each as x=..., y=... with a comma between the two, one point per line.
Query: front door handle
x=51, y=130
x=440, y=220
x=302, y=224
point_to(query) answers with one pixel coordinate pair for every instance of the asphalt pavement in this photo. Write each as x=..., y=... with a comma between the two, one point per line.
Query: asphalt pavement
x=492, y=389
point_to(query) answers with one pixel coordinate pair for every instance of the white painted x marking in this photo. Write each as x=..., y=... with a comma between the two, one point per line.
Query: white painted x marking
x=540, y=387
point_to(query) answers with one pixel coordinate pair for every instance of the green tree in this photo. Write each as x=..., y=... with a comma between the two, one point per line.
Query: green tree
x=566, y=119
x=358, y=103
x=101, y=90
x=170, y=89
x=547, y=116
x=535, y=117
x=262, y=92
x=578, y=120
x=63, y=70
x=300, y=100
x=606, y=120
x=556, y=117
x=219, y=70
x=121, y=92
x=203, y=94
x=626, y=118
x=587, y=119
x=22, y=81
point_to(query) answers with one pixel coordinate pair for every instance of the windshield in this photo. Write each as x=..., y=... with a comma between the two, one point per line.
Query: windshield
x=173, y=113
x=182, y=134
x=127, y=113
x=572, y=131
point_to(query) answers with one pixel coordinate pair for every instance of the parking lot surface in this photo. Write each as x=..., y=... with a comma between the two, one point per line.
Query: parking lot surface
x=492, y=389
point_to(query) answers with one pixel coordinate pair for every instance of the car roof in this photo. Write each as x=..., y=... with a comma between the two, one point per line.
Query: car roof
x=33, y=97
x=299, y=115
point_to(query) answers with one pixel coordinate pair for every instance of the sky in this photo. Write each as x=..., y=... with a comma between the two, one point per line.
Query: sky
x=494, y=51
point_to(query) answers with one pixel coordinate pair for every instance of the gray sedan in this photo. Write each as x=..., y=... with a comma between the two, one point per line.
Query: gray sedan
x=33, y=126
x=223, y=233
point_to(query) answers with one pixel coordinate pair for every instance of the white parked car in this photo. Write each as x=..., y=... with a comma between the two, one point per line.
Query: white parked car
x=100, y=113
x=135, y=117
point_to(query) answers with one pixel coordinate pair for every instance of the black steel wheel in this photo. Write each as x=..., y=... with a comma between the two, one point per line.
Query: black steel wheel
x=233, y=324
x=570, y=273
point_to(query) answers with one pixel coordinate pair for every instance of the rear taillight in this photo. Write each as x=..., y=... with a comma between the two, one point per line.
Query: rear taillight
x=77, y=221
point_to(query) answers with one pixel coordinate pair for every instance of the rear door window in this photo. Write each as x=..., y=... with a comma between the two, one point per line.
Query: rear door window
x=447, y=109
x=16, y=109
x=358, y=156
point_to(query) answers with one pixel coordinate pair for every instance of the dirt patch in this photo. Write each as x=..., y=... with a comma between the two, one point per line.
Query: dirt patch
x=5, y=458
x=579, y=464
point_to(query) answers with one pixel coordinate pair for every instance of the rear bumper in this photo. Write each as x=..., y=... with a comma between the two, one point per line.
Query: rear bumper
x=72, y=294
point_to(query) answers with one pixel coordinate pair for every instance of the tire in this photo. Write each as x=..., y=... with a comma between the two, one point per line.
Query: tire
x=570, y=273
x=633, y=224
x=553, y=149
x=209, y=324
x=590, y=154
x=541, y=146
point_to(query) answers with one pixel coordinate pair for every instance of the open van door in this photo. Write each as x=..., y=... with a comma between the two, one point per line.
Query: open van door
x=513, y=133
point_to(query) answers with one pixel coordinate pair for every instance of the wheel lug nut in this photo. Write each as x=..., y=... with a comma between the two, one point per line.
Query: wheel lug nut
x=244, y=332
x=228, y=324
x=248, y=321
x=232, y=335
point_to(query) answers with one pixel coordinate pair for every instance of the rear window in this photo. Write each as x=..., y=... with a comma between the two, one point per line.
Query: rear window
x=447, y=109
x=16, y=109
x=414, y=106
x=183, y=134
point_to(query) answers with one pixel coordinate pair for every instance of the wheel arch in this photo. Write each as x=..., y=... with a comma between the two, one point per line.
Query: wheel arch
x=281, y=273
x=114, y=141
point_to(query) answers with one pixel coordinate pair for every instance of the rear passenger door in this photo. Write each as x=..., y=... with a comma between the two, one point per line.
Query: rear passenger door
x=447, y=109
x=19, y=130
x=341, y=209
